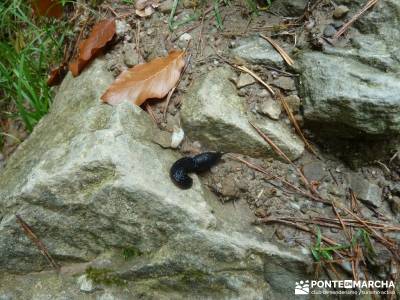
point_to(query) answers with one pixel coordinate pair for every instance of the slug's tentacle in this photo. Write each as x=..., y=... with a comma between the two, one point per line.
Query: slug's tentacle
x=199, y=163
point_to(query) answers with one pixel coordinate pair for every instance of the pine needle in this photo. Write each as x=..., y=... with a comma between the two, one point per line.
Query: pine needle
x=278, y=48
x=39, y=244
x=296, y=125
x=245, y=69
x=367, y=6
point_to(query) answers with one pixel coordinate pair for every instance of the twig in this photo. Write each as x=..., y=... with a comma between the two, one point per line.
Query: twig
x=140, y=58
x=297, y=189
x=200, y=41
x=303, y=228
x=390, y=245
x=342, y=30
x=282, y=154
x=151, y=113
x=39, y=244
x=341, y=222
x=176, y=85
x=330, y=223
x=284, y=73
x=278, y=48
x=245, y=69
x=296, y=125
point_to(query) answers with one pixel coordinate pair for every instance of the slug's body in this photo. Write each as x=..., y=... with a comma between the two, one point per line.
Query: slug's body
x=199, y=163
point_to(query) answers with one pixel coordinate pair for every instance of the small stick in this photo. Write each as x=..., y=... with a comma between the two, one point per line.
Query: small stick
x=39, y=244
x=303, y=228
x=383, y=240
x=287, y=74
x=342, y=30
x=199, y=47
x=140, y=58
x=245, y=69
x=341, y=222
x=151, y=113
x=333, y=177
x=176, y=85
x=336, y=224
x=282, y=154
x=297, y=189
x=296, y=125
x=278, y=48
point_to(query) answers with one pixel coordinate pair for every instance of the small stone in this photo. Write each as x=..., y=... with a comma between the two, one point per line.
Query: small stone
x=294, y=102
x=131, y=57
x=256, y=50
x=186, y=37
x=395, y=205
x=279, y=234
x=244, y=80
x=85, y=284
x=191, y=3
x=184, y=40
x=310, y=24
x=334, y=230
x=166, y=6
x=285, y=83
x=337, y=24
x=314, y=171
x=162, y=138
x=228, y=187
x=340, y=11
x=270, y=108
x=121, y=27
x=329, y=31
x=365, y=190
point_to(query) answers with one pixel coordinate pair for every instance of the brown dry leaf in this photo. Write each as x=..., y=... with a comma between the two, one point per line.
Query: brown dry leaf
x=101, y=34
x=47, y=8
x=145, y=81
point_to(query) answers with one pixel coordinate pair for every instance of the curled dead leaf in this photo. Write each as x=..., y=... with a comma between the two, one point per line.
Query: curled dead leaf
x=146, y=81
x=102, y=33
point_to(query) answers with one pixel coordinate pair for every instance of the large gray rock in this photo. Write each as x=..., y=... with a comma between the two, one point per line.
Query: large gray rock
x=93, y=186
x=352, y=91
x=256, y=50
x=354, y=100
x=215, y=115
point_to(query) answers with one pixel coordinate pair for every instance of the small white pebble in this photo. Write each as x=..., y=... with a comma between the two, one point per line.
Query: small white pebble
x=85, y=284
x=177, y=137
x=121, y=27
x=305, y=251
x=295, y=205
x=186, y=37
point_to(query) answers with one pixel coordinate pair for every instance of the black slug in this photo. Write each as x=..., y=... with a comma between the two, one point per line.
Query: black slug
x=199, y=163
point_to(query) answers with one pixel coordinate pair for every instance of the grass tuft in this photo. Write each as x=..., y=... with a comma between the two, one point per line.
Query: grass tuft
x=29, y=46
